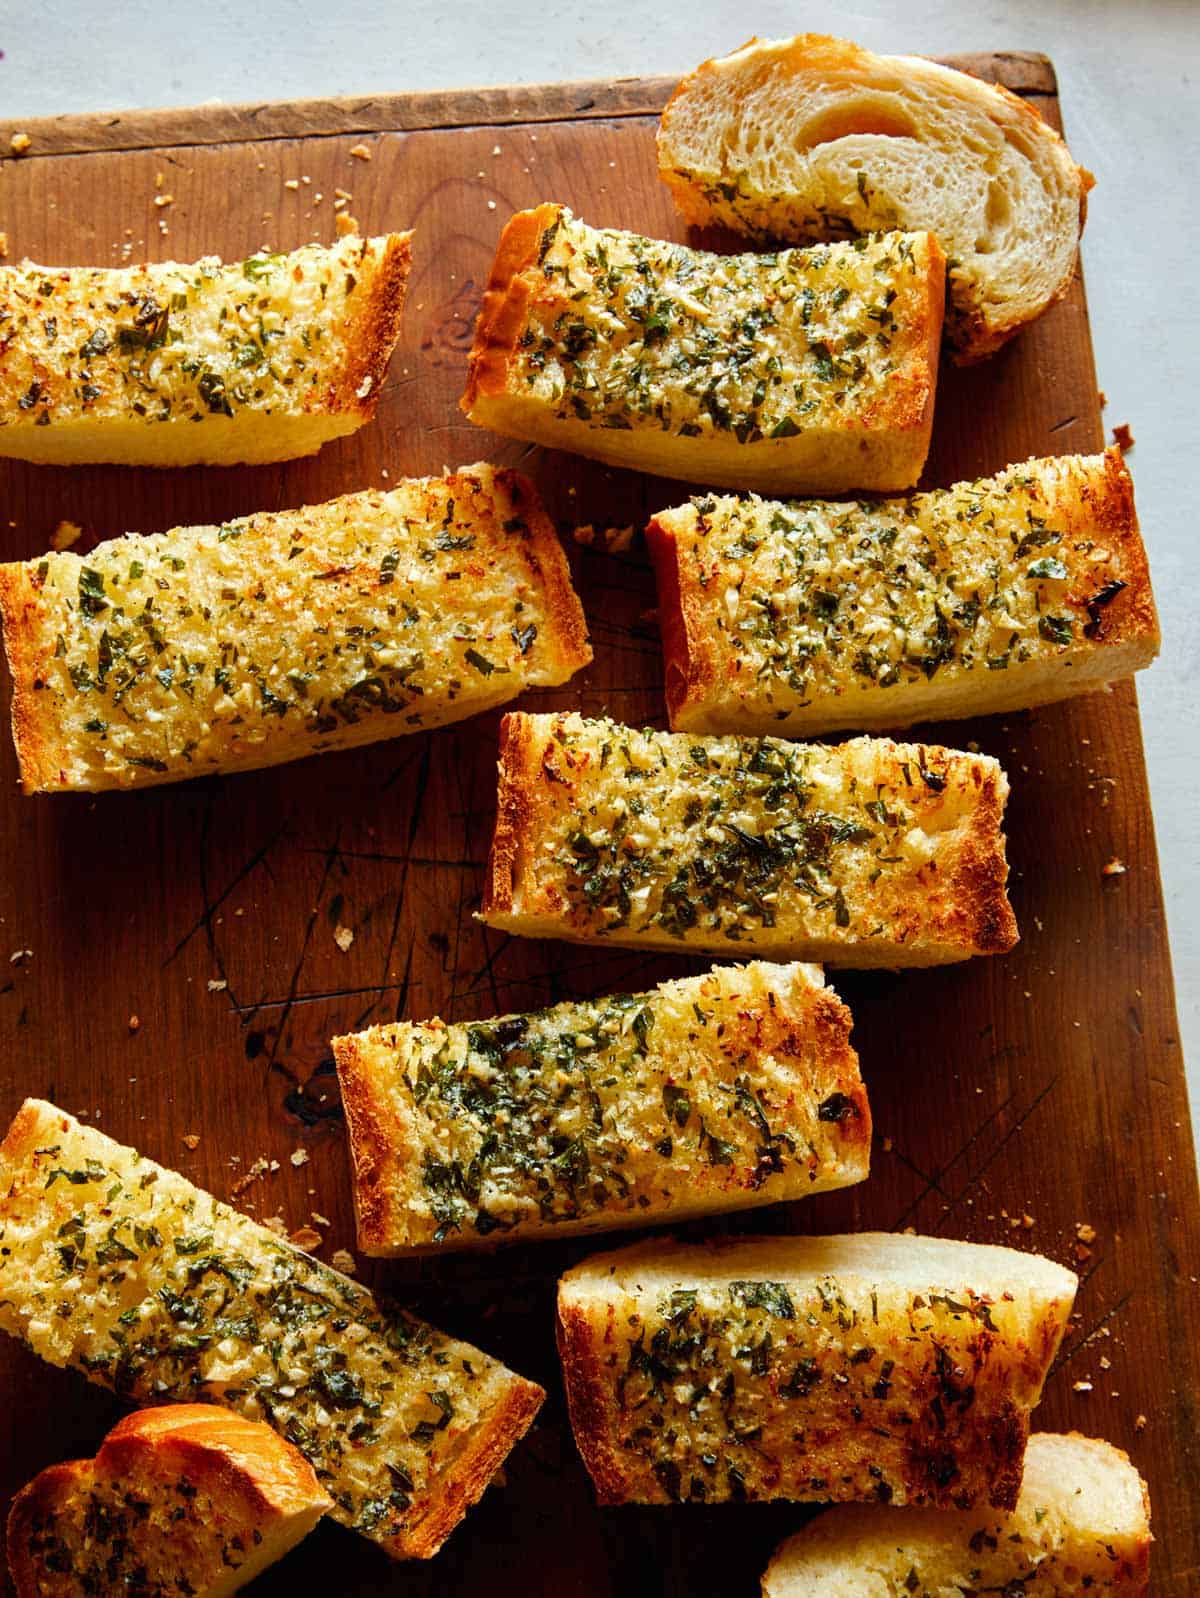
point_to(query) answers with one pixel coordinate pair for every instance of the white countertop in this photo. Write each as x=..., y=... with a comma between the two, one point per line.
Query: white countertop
x=1132, y=113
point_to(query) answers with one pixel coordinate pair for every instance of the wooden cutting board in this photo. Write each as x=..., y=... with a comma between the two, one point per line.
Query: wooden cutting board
x=1015, y=1099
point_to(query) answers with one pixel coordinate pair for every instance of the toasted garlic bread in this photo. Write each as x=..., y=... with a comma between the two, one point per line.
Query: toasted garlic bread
x=125, y=1271
x=199, y=364
x=1081, y=1525
x=156, y=658
x=805, y=617
x=715, y=1092
x=186, y=1499
x=815, y=138
x=874, y=1366
x=868, y=854
x=806, y=371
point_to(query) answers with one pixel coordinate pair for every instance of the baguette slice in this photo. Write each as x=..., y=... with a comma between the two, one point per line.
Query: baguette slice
x=1081, y=1525
x=806, y=371
x=711, y=1093
x=869, y=1367
x=186, y=1499
x=871, y=853
x=806, y=617
x=157, y=658
x=113, y=1266
x=197, y=364
x=815, y=138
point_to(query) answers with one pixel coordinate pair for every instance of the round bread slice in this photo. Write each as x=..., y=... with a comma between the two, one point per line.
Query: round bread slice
x=815, y=138
x=183, y=1499
x=1081, y=1525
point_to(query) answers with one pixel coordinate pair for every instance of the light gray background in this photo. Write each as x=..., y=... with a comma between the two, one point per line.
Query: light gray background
x=1127, y=75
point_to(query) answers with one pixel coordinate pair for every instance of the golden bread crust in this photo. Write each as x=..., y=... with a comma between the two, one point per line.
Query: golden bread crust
x=978, y=568
x=942, y=896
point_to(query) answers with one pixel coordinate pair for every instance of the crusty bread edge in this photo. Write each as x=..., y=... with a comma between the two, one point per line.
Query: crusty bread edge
x=514, y=817
x=502, y=314
x=567, y=634
x=35, y=1499
x=367, y=1120
x=576, y=1342
x=906, y=407
x=987, y=922
x=465, y=1482
x=970, y=339
x=371, y=332
x=19, y=615
x=689, y=667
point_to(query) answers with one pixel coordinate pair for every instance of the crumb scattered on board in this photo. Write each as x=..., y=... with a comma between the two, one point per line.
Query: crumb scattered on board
x=1114, y=868
x=191, y=1140
x=66, y=534
x=344, y=1261
x=299, y=1157
x=134, y=1023
x=1123, y=437
x=306, y=1237
x=3, y=246
x=613, y=540
x=217, y=984
x=19, y=143
x=360, y=152
x=343, y=937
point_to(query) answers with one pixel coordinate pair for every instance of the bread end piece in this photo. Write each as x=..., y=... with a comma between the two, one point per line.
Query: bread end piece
x=257, y=1495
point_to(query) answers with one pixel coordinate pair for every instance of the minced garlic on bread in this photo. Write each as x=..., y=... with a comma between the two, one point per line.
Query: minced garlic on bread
x=717, y=1092
x=815, y=138
x=1081, y=1525
x=115, y=1267
x=156, y=658
x=201, y=363
x=807, y=616
x=869, y=853
x=184, y=1499
x=807, y=371
x=876, y=1366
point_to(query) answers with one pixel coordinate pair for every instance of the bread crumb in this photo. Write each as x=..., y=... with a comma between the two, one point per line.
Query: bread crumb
x=1085, y=1233
x=1123, y=437
x=1027, y=1222
x=19, y=956
x=320, y=1220
x=191, y=1140
x=164, y=199
x=495, y=149
x=1114, y=868
x=19, y=143
x=66, y=534
x=291, y=183
x=613, y=540
x=299, y=1157
x=1105, y=1363
x=887, y=1145
x=1103, y=398
x=1081, y=1387
x=3, y=246
x=306, y=1237
x=360, y=152
x=276, y=1224
x=217, y=984
x=344, y=1261
x=343, y=937
x=1140, y=1424
x=344, y=224
x=134, y=1023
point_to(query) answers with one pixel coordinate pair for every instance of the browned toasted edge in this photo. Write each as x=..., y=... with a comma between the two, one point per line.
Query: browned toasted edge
x=228, y=1454
x=371, y=1145
x=587, y=1410
x=19, y=614
x=829, y=1022
x=371, y=332
x=1130, y=619
x=35, y=1500
x=514, y=816
x=689, y=675
x=465, y=1482
x=907, y=403
x=570, y=648
x=501, y=317
x=986, y=923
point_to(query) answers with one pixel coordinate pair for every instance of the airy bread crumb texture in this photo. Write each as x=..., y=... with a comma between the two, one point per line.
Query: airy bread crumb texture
x=202, y=363
x=186, y=1499
x=715, y=1092
x=874, y=1367
x=1081, y=1526
x=122, y=1270
x=803, y=371
x=869, y=853
x=807, y=616
x=816, y=138
x=157, y=658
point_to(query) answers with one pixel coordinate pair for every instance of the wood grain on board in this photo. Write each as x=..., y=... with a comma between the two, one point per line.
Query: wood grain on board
x=1015, y=1099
